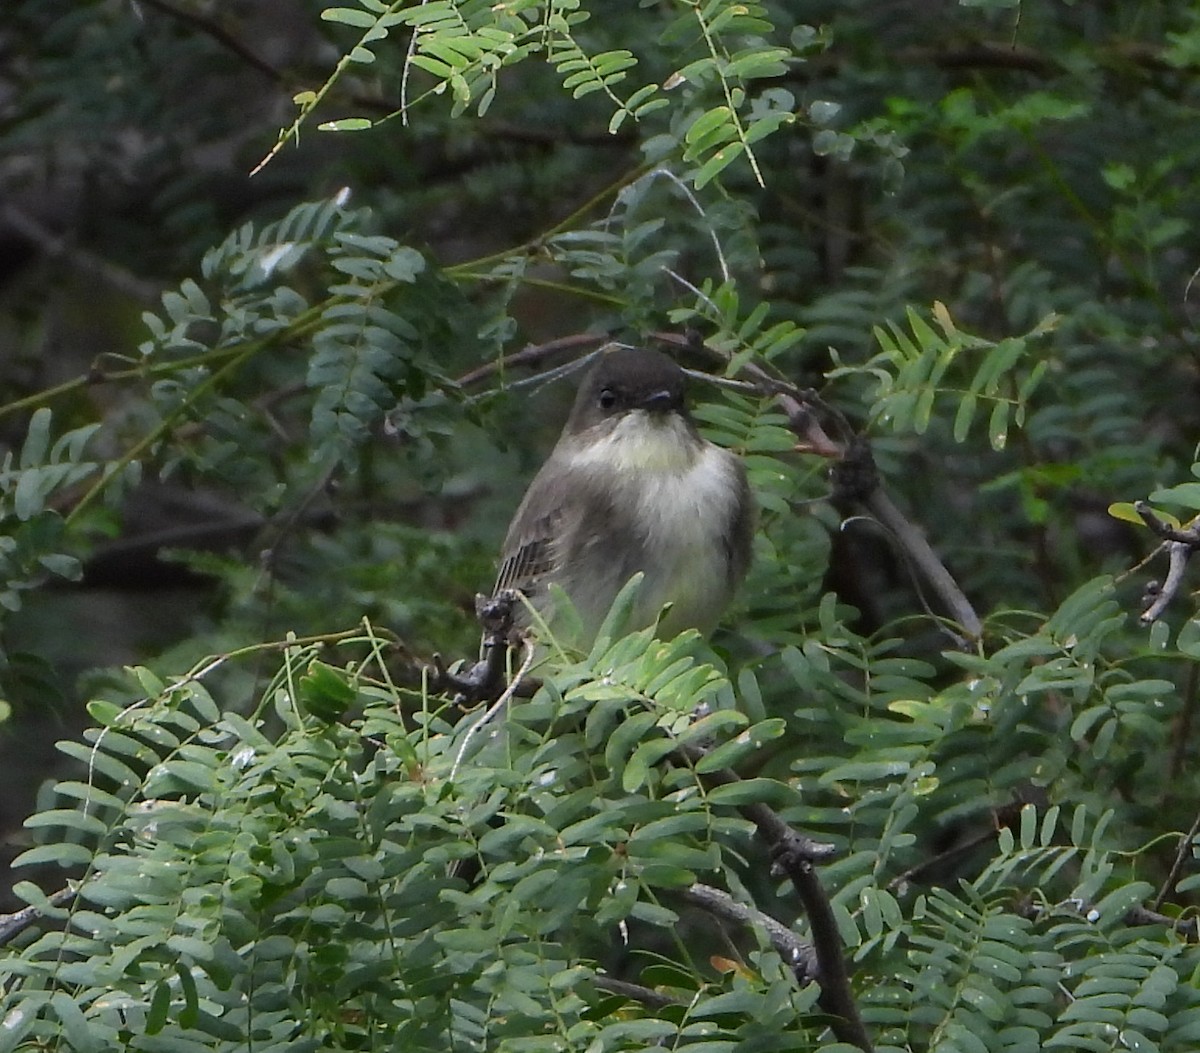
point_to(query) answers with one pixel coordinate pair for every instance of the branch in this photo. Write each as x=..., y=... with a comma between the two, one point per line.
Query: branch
x=1189, y=927
x=12, y=925
x=798, y=953
x=636, y=992
x=985, y=54
x=1180, y=543
x=795, y=854
x=836, y=997
x=222, y=36
x=805, y=410
x=1160, y=596
x=917, y=548
x=531, y=354
x=1188, y=535
x=1185, y=845
x=58, y=247
x=484, y=681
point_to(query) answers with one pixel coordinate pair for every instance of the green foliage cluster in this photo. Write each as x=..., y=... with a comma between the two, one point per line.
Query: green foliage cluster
x=968, y=230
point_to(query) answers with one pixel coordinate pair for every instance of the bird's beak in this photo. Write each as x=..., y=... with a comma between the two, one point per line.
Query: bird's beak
x=658, y=401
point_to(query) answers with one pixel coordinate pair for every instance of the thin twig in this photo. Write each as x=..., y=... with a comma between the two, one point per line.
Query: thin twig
x=1181, y=855
x=406, y=71
x=58, y=247
x=531, y=354
x=948, y=856
x=636, y=992
x=665, y=173
x=14, y=924
x=495, y=708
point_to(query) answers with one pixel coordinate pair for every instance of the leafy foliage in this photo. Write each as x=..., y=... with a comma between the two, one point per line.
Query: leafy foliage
x=31, y=545
x=960, y=235
x=463, y=45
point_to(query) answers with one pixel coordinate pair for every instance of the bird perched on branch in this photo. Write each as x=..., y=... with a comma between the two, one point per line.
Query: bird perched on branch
x=632, y=486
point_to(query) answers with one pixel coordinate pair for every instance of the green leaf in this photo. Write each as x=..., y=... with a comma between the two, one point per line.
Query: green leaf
x=716, y=164
x=160, y=1004
x=644, y=758
x=1183, y=495
x=1125, y=510
x=998, y=425
x=37, y=439
x=963, y=417
x=76, y=1028
x=348, y=16
x=347, y=124
x=62, y=854
x=325, y=692
x=748, y=791
x=624, y=739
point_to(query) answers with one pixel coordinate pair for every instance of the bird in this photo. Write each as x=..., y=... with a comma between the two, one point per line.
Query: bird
x=631, y=487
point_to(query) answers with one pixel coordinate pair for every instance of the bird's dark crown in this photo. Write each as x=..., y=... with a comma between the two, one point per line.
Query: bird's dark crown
x=624, y=379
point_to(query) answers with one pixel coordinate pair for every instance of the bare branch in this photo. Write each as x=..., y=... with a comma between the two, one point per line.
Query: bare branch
x=1160, y=596
x=636, y=992
x=88, y=263
x=1188, y=535
x=531, y=355
x=797, y=953
x=796, y=853
x=1181, y=856
x=14, y=924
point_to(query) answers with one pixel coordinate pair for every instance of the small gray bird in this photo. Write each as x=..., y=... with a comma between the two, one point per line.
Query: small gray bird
x=632, y=486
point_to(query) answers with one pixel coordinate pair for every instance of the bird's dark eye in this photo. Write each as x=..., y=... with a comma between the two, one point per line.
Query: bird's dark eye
x=608, y=399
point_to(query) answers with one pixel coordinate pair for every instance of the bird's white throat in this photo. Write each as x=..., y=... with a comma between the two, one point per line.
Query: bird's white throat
x=637, y=441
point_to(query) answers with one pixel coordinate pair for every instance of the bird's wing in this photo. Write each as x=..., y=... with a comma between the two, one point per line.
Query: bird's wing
x=739, y=542
x=529, y=557
x=539, y=535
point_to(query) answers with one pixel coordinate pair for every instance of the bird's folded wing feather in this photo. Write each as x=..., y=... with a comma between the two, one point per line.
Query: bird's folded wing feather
x=536, y=543
x=529, y=559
